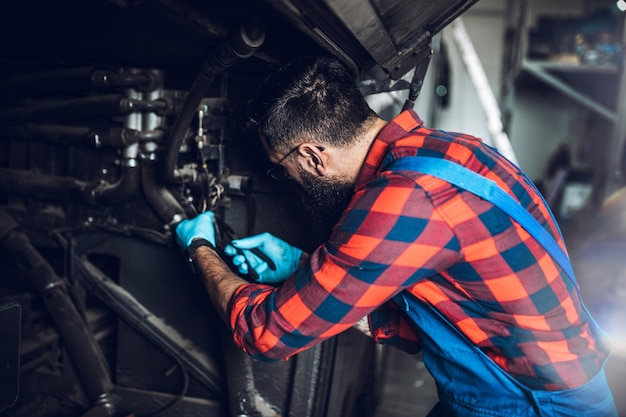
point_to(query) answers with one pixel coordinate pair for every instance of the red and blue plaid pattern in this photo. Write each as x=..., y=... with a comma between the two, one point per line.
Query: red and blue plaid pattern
x=451, y=249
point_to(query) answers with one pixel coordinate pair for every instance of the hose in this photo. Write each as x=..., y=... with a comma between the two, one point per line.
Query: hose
x=241, y=44
x=89, y=363
x=51, y=187
x=124, y=189
x=74, y=79
x=158, y=196
x=81, y=108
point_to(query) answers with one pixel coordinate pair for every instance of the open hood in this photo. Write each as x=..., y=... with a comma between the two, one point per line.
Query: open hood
x=383, y=38
x=120, y=118
x=388, y=37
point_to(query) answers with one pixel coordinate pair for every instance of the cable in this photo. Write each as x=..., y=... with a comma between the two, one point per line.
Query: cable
x=180, y=396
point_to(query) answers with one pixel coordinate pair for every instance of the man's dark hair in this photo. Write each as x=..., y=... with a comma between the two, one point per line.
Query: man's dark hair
x=312, y=99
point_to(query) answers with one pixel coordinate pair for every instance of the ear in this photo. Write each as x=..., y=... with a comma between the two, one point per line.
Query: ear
x=313, y=159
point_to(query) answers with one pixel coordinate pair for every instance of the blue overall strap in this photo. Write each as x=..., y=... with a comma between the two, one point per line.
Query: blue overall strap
x=488, y=190
x=456, y=363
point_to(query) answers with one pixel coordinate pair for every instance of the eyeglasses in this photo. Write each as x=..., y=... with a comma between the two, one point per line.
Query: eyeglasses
x=276, y=171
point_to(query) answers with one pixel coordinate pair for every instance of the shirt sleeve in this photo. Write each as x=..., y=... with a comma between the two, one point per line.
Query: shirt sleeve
x=390, y=237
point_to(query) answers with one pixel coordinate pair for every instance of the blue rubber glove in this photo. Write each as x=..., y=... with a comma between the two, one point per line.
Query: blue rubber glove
x=284, y=257
x=201, y=226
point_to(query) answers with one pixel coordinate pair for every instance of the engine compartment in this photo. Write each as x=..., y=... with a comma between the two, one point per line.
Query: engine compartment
x=118, y=120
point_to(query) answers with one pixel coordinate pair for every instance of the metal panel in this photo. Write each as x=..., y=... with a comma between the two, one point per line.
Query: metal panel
x=396, y=32
x=363, y=21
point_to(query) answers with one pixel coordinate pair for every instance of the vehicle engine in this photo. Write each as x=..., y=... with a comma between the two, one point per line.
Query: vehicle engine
x=119, y=119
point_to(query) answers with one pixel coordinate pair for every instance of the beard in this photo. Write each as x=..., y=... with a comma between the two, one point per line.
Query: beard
x=325, y=199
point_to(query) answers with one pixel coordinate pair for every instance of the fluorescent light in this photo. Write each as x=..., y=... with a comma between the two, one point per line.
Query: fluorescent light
x=621, y=4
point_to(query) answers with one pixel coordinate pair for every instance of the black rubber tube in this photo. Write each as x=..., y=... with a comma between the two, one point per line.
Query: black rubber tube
x=116, y=137
x=241, y=44
x=51, y=187
x=55, y=111
x=66, y=189
x=124, y=189
x=73, y=79
x=159, y=197
x=89, y=363
x=80, y=108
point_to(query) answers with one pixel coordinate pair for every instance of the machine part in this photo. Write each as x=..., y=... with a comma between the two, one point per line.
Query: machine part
x=240, y=185
x=125, y=188
x=159, y=197
x=440, y=67
x=383, y=38
x=241, y=44
x=121, y=263
x=418, y=79
x=80, y=108
x=30, y=184
x=116, y=137
x=66, y=189
x=74, y=79
x=88, y=361
x=127, y=185
x=147, y=324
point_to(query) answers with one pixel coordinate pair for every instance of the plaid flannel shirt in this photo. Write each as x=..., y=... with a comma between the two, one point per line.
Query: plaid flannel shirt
x=407, y=231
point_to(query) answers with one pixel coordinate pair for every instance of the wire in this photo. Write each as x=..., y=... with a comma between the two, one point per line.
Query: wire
x=180, y=396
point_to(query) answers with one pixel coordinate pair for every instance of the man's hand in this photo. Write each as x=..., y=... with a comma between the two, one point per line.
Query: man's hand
x=218, y=279
x=200, y=227
x=260, y=252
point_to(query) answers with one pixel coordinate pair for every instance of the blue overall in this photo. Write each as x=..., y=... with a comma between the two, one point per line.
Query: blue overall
x=469, y=383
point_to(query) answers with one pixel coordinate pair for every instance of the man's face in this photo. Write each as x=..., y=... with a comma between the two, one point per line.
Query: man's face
x=324, y=198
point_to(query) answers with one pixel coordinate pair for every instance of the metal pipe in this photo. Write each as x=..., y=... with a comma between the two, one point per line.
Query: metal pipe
x=127, y=185
x=116, y=137
x=65, y=189
x=69, y=135
x=159, y=197
x=51, y=187
x=73, y=79
x=80, y=108
x=241, y=44
x=45, y=112
x=124, y=189
x=89, y=363
x=418, y=79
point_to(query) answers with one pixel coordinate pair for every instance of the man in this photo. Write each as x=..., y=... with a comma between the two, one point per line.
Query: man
x=432, y=265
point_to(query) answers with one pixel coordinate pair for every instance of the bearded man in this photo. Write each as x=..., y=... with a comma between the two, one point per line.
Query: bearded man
x=432, y=261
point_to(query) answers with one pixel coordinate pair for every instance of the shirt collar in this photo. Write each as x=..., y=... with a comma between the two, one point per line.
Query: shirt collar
x=397, y=128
